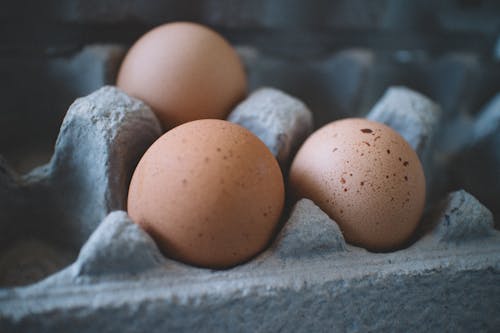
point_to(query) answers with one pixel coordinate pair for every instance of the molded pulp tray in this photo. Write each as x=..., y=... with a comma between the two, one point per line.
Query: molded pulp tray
x=72, y=261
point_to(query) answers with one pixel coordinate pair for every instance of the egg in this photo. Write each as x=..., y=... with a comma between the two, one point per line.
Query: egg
x=209, y=192
x=183, y=71
x=366, y=177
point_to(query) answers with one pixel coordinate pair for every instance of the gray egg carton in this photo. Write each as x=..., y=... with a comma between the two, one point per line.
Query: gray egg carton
x=446, y=279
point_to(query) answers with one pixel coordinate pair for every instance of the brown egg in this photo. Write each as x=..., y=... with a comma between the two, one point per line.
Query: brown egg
x=184, y=71
x=366, y=177
x=209, y=192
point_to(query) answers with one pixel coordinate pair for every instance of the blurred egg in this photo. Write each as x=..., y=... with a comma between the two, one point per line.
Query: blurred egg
x=183, y=71
x=209, y=192
x=366, y=177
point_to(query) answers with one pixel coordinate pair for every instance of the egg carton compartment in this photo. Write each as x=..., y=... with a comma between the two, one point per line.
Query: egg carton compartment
x=72, y=260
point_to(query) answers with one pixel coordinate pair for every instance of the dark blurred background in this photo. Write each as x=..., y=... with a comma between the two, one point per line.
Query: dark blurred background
x=338, y=56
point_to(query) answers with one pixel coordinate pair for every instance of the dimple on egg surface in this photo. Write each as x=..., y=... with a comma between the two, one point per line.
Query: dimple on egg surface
x=366, y=177
x=209, y=192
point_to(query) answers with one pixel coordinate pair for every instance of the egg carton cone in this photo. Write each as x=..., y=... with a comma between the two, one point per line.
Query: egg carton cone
x=82, y=265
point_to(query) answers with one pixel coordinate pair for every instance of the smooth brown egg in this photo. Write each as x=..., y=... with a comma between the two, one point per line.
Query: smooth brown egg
x=209, y=192
x=366, y=177
x=183, y=71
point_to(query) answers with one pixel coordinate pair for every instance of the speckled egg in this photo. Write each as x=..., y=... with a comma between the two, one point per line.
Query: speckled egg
x=366, y=177
x=209, y=192
x=184, y=71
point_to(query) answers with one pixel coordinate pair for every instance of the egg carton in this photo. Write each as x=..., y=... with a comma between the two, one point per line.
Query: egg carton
x=87, y=267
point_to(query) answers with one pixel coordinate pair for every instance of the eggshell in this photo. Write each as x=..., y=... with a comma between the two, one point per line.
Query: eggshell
x=209, y=192
x=183, y=71
x=366, y=177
